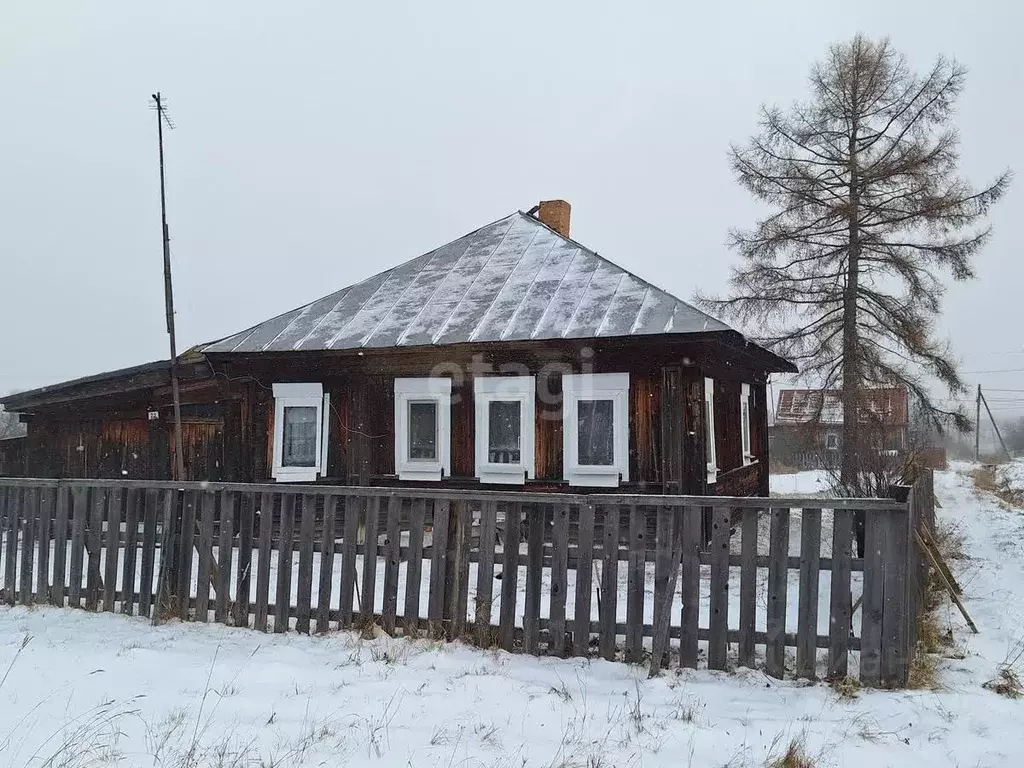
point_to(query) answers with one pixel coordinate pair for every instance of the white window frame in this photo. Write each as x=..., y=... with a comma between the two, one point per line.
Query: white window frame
x=520, y=389
x=436, y=390
x=709, y=429
x=595, y=386
x=301, y=395
x=746, y=439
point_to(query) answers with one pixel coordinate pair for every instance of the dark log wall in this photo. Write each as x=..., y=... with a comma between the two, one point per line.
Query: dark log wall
x=12, y=456
x=228, y=418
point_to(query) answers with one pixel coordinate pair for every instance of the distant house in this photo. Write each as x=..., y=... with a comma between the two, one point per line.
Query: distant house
x=511, y=356
x=808, y=428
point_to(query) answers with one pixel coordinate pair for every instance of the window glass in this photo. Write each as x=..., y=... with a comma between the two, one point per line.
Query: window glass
x=299, y=435
x=505, y=431
x=423, y=430
x=596, y=432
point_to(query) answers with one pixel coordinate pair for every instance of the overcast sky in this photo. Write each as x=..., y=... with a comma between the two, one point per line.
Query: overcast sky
x=319, y=143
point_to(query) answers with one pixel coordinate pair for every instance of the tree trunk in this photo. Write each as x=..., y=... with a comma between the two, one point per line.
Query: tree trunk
x=851, y=344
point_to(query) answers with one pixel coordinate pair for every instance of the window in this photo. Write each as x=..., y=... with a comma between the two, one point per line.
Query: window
x=748, y=451
x=832, y=441
x=710, y=454
x=301, y=418
x=595, y=428
x=423, y=412
x=505, y=407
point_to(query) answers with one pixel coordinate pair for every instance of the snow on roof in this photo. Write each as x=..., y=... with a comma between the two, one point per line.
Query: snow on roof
x=512, y=280
x=825, y=406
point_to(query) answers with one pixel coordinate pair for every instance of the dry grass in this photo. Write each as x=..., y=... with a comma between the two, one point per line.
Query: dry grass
x=986, y=478
x=1006, y=683
x=846, y=687
x=777, y=467
x=795, y=756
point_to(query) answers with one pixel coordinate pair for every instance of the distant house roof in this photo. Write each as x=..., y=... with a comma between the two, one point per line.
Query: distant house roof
x=512, y=280
x=825, y=406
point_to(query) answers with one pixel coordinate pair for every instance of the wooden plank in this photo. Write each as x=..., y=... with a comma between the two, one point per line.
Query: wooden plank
x=534, y=570
x=807, y=607
x=718, y=626
x=189, y=511
x=112, y=547
x=609, y=581
x=60, y=548
x=97, y=511
x=635, y=583
x=208, y=507
x=225, y=552
x=840, y=608
x=266, y=524
x=584, y=581
x=392, y=561
x=6, y=500
x=47, y=504
x=79, y=515
x=896, y=611
x=438, y=565
x=872, y=603
x=690, y=570
x=30, y=502
x=155, y=501
x=460, y=527
x=485, y=575
x=15, y=511
x=414, y=570
x=664, y=539
x=371, y=533
x=133, y=501
x=775, y=651
x=243, y=580
x=353, y=514
x=748, y=587
x=323, y=611
x=304, y=592
x=559, y=579
x=509, y=576
x=285, y=547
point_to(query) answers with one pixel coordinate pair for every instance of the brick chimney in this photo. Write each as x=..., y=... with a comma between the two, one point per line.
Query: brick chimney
x=555, y=213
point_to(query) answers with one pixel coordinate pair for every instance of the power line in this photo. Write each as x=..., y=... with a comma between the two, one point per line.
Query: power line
x=1004, y=370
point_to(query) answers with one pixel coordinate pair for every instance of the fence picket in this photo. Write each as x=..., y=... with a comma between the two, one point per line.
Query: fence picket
x=186, y=543
x=47, y=502
x=775, y=651
x=748, y=587
x=584, y=581
x=243, y=579
x=509, y=575
x=664, y=542
x=79, y=514
x=147, y=568
x=265, y=520
x=485, y=575
x=807, y=607
x=285, y=563
x=112, y=548
x=392, y=561
x=30, y=504
x=304, y=593
x=535, y=514
x=414, y=571
x=718, y=646
x=840, y=608
x=131, y=552
x=323, y=610
x=93, y=578
x=559, y=579
x=608, y=603
x=225, y=550
x=635, y=583
x=438, y=566
x=690, y=569
x=353, y=512
x=208, y=504
x=895, y=619
x=60, y=547
x=872, y=604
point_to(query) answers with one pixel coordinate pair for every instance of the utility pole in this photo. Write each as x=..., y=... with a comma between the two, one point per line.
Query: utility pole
x=977, y=426
x=995, y=426
x=179, y=458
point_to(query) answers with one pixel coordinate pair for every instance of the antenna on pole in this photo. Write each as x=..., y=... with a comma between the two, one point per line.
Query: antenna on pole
x=162, y=119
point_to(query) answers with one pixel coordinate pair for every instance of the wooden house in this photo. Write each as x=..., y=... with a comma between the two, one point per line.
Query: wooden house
x=511, y=356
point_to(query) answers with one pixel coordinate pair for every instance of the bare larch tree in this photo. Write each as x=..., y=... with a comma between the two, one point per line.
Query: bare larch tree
x=867, y=210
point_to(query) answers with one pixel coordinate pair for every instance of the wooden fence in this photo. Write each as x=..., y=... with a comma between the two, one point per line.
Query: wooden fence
x=622, y=577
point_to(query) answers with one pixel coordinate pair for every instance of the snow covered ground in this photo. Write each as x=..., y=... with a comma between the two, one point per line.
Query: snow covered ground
x=102, y=689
